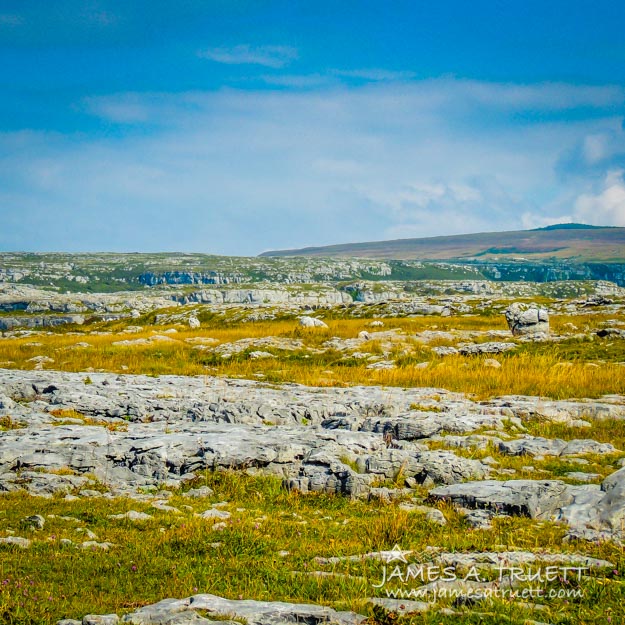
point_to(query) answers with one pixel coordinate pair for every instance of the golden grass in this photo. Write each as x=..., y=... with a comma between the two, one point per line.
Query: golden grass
x=524, y=372
x=68, y=417
x=172, y=555
x=8, y=423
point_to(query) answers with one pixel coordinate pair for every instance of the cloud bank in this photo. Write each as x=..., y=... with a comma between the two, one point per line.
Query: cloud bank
x=241, y=171
x=607, y=207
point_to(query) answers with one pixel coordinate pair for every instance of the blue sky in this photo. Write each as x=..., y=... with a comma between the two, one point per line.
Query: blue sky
x=233, y=127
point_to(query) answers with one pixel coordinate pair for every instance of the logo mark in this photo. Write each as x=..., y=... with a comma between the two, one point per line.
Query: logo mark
x=396, y=555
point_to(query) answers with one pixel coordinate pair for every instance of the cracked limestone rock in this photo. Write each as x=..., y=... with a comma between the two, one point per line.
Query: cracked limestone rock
x=526, y=319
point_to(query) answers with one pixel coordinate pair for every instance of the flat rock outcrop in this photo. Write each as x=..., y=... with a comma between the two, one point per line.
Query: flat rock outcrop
x=72, y=432
x=136, y=431
x=532, y=498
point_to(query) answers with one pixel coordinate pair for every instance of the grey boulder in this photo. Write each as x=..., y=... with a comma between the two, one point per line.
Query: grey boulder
x=526, y=319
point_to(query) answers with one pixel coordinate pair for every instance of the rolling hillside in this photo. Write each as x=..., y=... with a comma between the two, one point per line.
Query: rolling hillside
x=577, y=242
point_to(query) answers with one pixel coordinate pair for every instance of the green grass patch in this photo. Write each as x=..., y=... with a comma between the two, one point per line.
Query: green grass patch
x=177, y=555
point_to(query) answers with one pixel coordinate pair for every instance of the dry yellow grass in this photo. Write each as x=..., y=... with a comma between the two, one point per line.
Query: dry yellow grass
x=520, y=375
x=524, y=372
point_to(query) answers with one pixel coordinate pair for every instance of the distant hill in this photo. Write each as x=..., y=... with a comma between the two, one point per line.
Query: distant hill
x=577, y=242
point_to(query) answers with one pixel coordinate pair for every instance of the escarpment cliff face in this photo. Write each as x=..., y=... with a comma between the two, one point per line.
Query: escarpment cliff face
x=552, y=271
x=105, y=273
x=510, y=271
x=318, y=297
x=189, y=277
x=121, y=272
x=33, y=307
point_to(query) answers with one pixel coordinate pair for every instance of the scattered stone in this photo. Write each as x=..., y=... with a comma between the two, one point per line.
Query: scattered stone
x=489, y=460
x=388, y=494
x=90, y=535
x=256, y=355
x=473, y=349
x=35, y=522
x=436, y=516
x=479, y=519
x=157, y=338
x=491, y=362
x=214, y=513
x=495, y=559
x=165, y=507
x=311, y=322
x=18, y=541
x=87, y=492
x=94, y=545
x=444, y=350
x=202, y=340
x=382, y=365
x=202, y=491
x=40, y=361
x=132, y=515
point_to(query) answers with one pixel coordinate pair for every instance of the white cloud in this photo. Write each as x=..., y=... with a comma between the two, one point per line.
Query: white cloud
x=531, y=221
x=595, y=148
x=268, y=56
x=128, y=109
x=547, y=96
x=438, y=208
x=240, y=171
x=606, y=208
